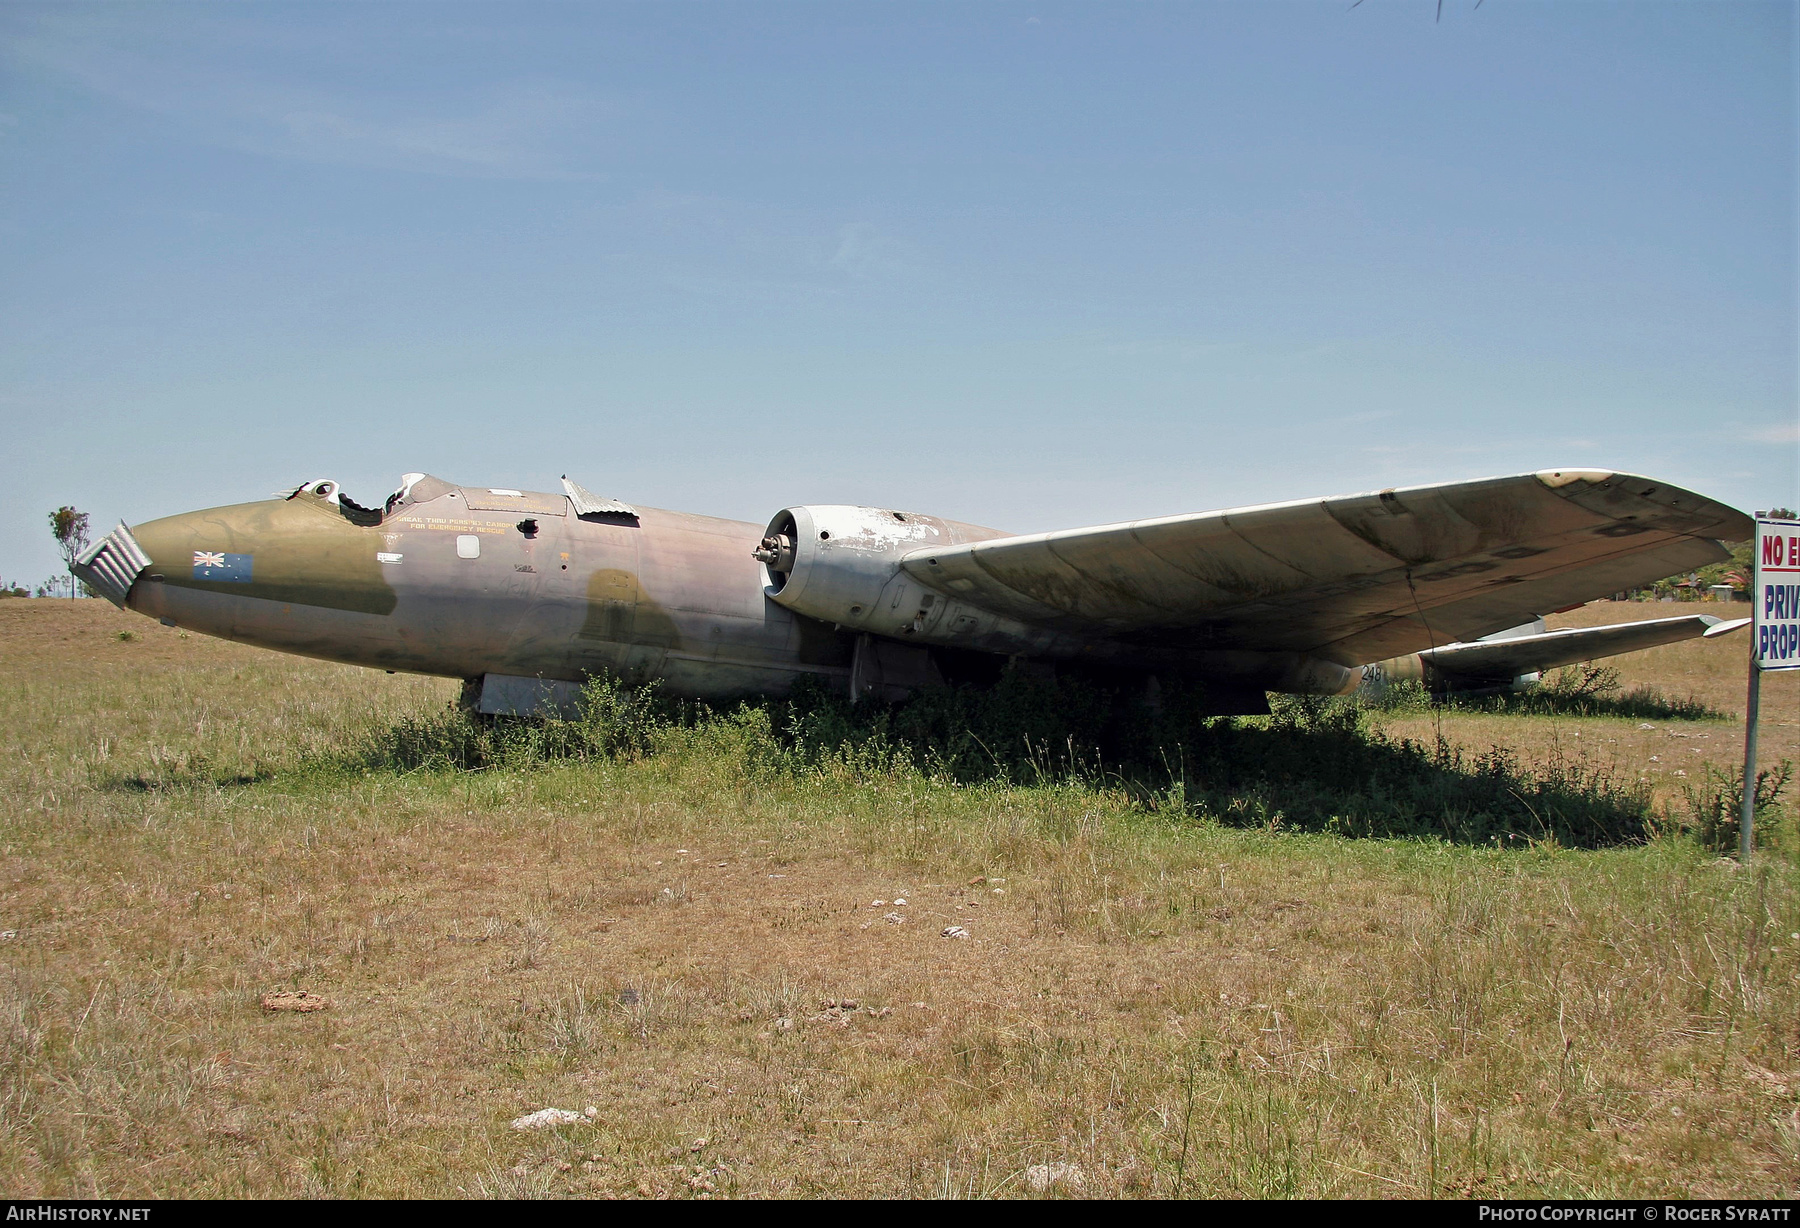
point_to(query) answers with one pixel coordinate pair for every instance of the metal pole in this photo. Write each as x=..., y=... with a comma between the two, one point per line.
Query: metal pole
x=1747, y=816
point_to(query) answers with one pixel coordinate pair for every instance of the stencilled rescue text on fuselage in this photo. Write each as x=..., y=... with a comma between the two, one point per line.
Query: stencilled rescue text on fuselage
x=456, y=526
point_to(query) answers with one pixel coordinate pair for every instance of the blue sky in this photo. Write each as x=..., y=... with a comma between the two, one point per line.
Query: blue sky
x=1030, y=265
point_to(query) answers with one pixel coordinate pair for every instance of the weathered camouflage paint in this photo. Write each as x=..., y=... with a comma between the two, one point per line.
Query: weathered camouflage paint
x=305, y=550
x=669, y=595
x=468, y=581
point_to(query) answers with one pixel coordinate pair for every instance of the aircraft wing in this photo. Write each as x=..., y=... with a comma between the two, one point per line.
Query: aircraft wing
x=1526, y=654
x=1352, y=578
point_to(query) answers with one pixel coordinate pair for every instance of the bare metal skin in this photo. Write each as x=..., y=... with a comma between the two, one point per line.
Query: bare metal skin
x=508, y=586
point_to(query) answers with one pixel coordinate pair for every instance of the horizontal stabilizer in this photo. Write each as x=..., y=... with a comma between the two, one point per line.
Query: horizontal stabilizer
x=1529, y=654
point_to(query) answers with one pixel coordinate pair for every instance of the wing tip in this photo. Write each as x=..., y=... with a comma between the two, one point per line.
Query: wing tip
x=1730, y=525
x=1556, y=478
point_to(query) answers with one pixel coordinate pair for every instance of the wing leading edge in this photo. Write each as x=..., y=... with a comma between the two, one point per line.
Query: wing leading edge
x=1352, y=578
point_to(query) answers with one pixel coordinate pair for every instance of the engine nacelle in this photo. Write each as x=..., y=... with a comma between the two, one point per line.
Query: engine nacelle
x=841, y=564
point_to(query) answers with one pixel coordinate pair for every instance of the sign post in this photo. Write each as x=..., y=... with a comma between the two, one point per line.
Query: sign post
x=1775, y=639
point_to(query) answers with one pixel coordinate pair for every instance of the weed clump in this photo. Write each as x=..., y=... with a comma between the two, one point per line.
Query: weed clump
x=616, y=721
x=1714, y=805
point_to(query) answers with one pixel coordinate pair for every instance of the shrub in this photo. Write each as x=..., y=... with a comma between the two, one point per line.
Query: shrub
x=1715, y=805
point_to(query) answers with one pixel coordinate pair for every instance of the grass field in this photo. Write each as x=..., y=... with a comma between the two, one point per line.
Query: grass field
x=709, y=960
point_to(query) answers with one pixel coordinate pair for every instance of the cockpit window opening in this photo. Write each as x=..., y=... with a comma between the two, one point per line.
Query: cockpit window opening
x=324, y=488
x=407, y=482
x=328, y=491
x=356, y=510
x=416, y=488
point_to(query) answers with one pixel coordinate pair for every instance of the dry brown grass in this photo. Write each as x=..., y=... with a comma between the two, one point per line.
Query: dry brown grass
x=1169, y=1009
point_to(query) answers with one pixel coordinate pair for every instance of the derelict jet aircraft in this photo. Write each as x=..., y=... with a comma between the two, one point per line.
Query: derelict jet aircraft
x=524, y=593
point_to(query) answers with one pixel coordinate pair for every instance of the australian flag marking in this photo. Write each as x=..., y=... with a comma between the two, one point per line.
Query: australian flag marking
x=213, y=565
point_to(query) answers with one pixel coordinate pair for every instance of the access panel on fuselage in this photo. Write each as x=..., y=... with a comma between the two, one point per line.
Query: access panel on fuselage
x=586, y=619
x=466, y=577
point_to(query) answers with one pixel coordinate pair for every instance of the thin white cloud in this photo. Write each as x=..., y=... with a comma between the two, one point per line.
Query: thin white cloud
x=864, y=252
x=1788, y=432
x=521, y=134
x=517, y=130
x=760, y=292
x=1180, y=349
x=1366, y=417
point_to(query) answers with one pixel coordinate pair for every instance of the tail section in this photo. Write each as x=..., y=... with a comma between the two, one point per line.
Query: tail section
x=1491, y=660
x=1514, y=658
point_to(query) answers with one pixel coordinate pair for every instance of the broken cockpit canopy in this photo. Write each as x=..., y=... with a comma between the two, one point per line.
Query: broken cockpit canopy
x=423, y=488
x=414, y=488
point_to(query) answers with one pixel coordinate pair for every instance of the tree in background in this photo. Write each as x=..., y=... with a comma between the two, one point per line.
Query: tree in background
x=70, y=528
x=1734, y=571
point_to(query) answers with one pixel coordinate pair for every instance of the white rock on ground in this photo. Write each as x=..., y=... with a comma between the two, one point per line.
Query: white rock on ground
x=1041, y=1177
x=543, y=1119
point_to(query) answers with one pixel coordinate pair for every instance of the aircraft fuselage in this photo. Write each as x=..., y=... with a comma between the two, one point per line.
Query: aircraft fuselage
x=456, y=587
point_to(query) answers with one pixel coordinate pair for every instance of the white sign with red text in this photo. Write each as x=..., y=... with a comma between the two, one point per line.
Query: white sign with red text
x=1777, y=594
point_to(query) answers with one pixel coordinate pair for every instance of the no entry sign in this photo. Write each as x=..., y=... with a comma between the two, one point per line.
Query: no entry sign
x=1776, y=594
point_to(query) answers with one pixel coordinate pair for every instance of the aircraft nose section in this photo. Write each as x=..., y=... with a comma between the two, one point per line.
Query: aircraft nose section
x=199, y=546
x=209, y=545
x=301, y=551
